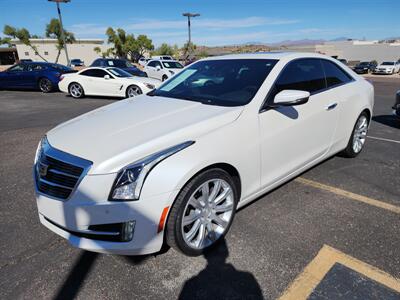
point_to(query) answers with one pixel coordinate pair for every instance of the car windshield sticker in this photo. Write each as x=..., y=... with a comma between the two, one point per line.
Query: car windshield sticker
x=110, y=63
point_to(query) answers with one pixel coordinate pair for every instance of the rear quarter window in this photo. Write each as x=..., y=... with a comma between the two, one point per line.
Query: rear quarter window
x=334, y=74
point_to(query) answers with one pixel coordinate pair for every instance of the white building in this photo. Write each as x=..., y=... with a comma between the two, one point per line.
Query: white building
x=47, y=48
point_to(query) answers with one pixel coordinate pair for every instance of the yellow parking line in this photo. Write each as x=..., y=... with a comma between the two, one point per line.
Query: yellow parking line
x=350, y=195
x=312, y=275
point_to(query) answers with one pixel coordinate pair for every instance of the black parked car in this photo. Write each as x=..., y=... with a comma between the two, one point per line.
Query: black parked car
x=76, y=62
x=365, y=67
x=396, y=106
x=119, y=63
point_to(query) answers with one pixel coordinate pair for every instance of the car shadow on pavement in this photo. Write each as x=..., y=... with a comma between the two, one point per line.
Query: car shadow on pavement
x=221, y=280
x=76, y=276
x=388, y=120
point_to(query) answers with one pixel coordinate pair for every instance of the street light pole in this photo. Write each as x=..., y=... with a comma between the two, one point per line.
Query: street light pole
x=61, y=25
x=190, y=15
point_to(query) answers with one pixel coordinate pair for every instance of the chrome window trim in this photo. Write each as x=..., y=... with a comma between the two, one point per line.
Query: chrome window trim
x=62, y=156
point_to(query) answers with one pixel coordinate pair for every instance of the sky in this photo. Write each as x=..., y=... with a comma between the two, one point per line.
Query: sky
x=222, y=22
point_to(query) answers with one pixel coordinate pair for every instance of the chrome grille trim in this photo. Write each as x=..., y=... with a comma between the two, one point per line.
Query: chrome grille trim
x=63, y=172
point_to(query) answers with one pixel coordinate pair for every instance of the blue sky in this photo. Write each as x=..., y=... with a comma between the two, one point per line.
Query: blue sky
x=221, y=22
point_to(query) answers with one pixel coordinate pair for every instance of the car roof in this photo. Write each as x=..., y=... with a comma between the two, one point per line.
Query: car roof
x=270, y=55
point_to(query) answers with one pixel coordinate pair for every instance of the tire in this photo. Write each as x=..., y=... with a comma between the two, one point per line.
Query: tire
x=76, y=90
x=164, y=78
x=133, y=91
x=186, y=238
x=357, y=139
x=45, y=85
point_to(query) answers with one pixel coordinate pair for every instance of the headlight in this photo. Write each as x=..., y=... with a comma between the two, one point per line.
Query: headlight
x=129, y=181
x=39, y=149
x=150, y=86
x=172, y=72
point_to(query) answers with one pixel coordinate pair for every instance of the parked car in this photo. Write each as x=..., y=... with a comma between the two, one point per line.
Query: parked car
x=25, y=60
x=387, y=67
x=76, y=62
x=163, y=57
x=33, y=75
x=174, y=165
x=396, y=106
x=365, y=67
x=112, y=82
x=162, y=69
x=119, y=63
x=143, y=61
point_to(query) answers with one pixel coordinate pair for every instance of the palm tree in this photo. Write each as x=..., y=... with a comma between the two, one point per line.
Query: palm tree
x=53, y=30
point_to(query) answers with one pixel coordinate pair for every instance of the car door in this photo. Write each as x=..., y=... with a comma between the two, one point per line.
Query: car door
x=99, y=85
x=151, y=69
x=13, y=78
x=31, y=74
x=292, y=137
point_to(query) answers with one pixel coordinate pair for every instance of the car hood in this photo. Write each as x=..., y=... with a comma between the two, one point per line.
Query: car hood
x=119, y=134
x=153, y=81
x=385, y=67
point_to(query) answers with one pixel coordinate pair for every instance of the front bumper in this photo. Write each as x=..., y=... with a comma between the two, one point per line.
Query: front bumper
x=89, y=206
x=387, y=71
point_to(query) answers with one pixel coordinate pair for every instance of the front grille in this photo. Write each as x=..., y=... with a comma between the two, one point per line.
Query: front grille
x=57, y=173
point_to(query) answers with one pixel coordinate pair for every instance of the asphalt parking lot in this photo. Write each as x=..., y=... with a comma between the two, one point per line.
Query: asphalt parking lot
x=343, y=215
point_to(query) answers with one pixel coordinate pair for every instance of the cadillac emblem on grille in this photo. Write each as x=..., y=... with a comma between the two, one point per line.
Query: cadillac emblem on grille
x=42, y=169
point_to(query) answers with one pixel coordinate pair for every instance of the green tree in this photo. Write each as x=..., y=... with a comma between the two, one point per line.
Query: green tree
x=188, y=49
x=23, y=35
x=165, y=49
x=126, y=45
x=118, y=39
x=53, y=30
x=144, y=44
x=6, y=41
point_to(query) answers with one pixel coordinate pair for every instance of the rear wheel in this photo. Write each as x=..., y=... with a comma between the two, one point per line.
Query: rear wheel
x=202, y=213
x=45, y=85
x=164, y=78
x=133, y=91
x=358, y=136
x=76, y=90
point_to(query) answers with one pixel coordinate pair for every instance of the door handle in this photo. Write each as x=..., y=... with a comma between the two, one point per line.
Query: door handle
x=331, y=106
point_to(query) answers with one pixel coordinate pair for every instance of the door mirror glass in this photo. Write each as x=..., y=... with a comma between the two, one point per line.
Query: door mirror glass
x=107, y=77
x=158, y=68
x=291, y=98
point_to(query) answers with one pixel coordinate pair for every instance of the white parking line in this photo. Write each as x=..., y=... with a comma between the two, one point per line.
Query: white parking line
x=383, y=139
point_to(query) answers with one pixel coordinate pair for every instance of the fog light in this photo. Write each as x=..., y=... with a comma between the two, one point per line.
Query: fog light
x=128, y=228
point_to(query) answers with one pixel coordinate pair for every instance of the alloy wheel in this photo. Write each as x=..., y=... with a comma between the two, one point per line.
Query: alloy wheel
x=76, y=90
x=360, y=133
x=45, y=85
x=208, y=213
x=133, y=91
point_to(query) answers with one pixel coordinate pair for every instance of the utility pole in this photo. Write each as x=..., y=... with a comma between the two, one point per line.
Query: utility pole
x=61, y=25
x=190, y=15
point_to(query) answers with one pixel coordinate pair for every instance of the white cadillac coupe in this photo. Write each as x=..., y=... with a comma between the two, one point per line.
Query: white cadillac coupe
x=113, y=82
x=174, y=165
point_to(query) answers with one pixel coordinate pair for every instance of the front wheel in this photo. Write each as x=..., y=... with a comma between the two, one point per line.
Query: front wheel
x=358, y=136
x=76, y=90
x=45, y=85
x=133, y=91
x=202, y=213
x=164, y=78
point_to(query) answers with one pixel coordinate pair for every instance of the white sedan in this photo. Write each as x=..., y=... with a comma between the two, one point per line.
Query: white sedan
x=162, y=69
x=174, y=165
x=111, y=81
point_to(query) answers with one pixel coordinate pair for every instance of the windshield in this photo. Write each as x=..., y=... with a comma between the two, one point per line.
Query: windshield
x=118, y=72
x=226, y=82
x=172, y=65
x=388, y=63
x=119, y=63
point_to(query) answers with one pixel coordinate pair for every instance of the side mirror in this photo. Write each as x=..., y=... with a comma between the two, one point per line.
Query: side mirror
x=158, y=68
x=106, y=77
x=290, y=98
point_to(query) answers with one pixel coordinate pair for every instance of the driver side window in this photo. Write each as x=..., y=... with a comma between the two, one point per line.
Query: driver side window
x=301, y=74
x=16, y=68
